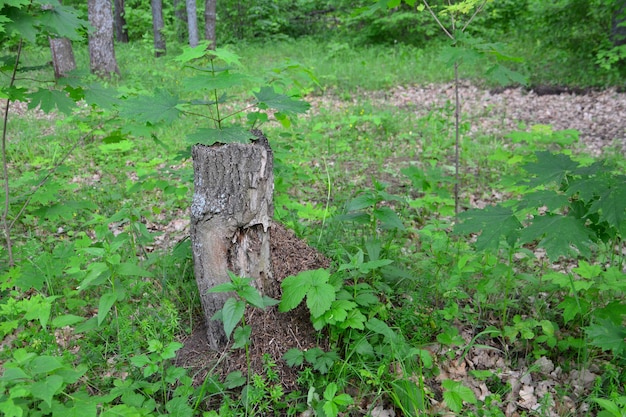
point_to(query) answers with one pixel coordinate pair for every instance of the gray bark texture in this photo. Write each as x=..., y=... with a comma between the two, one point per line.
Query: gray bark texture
x=618, y=25
x=157, y=27
x=209, y=22
x=192, y=22
x=101, y=49
x=231, y=214
x=180, y=22
x=62, y=56
x=119, y=21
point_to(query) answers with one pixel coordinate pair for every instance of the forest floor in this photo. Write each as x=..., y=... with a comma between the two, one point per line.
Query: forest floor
x=536, y=384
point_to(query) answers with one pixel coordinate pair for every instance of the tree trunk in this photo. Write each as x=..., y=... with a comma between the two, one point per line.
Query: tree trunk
x=230, y=219
x=618, y=25
x=209, y=22
x=119, y=21
x=192, y=23
x=62, y=56
x=157, y=27
x=180, y=22
x=101, y=49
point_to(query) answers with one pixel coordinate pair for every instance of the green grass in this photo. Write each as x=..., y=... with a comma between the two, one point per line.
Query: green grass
x=86, y=257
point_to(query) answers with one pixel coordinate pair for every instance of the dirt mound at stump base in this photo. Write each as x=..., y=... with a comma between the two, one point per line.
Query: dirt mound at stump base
x=273, y=333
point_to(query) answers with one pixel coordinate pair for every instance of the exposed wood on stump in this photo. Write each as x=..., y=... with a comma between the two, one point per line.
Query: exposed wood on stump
x=230, y=219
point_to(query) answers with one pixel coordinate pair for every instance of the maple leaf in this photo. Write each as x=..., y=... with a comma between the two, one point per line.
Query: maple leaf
x=285, y=104
x=607, y=335
x=63, y=21
x=559, y=235
x=612, y=204
x=492, y=222
x=550, y=167
x=48, y=100
x=163, y=106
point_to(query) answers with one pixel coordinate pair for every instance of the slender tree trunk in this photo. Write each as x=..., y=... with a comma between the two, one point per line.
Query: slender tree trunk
x=180, y=21
x=230, y=218
x=119, y=21
x=618, y=25
x=192, y=23
x=209, y=22
x=157, y=27
x=62, y=56
x=101, y=49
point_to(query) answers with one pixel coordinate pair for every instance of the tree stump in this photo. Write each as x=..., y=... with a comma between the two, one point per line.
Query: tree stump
x=230, y=219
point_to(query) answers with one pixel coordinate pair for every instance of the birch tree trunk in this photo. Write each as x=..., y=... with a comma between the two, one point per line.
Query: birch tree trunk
x=63, y=59
x=209, y=22
x=192, y=23
x=157, y=27
x=101, y=49
x=230, y=218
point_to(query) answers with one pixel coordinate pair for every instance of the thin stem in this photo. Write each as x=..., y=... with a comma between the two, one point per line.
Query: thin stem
x=217, y=105
x=5, y=163
x=437, y=20
x=478, y=9
x=457, y=143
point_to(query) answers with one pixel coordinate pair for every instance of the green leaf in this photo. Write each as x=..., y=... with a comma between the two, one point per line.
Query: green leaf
x=162, y=107
x=48, y=100
x=330, y=409
x=252, y=296
x=131, y=269
x=493, y=222
x=169, y=351
x=558, y=234
x=227, y=134
x=104, y=306
x=549, y=198
x=504, y=76
x=232, y=313
x=294, y=289
x=63, y=21
x=192, y=53
x=7, y=406
x=609, y=406
x=294, y=357
x=550, y=168
x=242, y=336
x=380, y=327
x=455, y=393
x=612, y=205
x=355, y=320
x=66, y=320
x=222, y=288
x=388, y=218
x=45, y=365
x=320, y=294
x=47, y=388
x=101, y=96
x=235, y=380
x=13, y=374
x=361, y=202
x=607, y=335
x=284, y=104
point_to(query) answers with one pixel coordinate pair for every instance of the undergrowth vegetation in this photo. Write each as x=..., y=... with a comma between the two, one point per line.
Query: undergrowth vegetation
x=98, y=290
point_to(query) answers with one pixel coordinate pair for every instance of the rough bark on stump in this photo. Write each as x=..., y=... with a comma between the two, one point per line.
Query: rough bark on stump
x=230, y=219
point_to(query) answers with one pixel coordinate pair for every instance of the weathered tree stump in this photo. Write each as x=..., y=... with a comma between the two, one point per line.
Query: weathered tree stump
x=230, y=218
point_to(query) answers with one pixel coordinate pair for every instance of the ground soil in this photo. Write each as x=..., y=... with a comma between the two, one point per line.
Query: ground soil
x=273, y=333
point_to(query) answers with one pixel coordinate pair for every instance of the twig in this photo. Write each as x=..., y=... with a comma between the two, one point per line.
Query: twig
x=437, y=20
x=5, y=163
